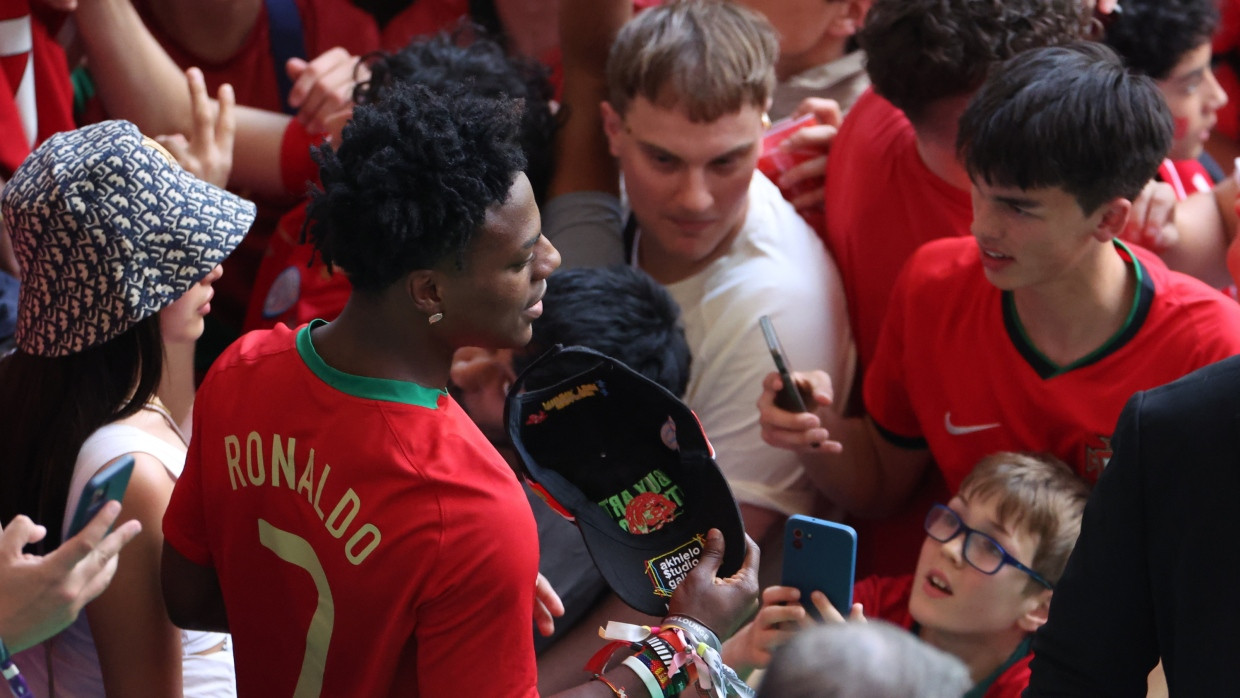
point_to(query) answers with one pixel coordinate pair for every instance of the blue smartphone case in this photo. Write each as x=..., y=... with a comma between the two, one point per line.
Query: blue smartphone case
x=109, y=483
x=820, y=555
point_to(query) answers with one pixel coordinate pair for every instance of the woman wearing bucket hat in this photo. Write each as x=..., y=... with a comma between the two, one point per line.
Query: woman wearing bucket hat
x=118, y=247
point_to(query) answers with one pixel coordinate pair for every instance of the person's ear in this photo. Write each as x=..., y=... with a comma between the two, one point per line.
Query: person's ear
x=1036, y=608
x=1112, y=217
x=613, y=126
x=848, y=22
x=424, y=289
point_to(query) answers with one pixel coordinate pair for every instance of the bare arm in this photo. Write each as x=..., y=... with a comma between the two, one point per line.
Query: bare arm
x=582, y=159
x=138, y=81
x=139, y=649
x=718, y=603
x=846, y=458
x=1207, y=224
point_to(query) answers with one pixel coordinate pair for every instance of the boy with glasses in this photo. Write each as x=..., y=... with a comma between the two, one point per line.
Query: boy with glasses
x=984, y=578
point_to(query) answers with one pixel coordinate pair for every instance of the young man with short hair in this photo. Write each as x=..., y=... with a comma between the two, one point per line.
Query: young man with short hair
x=339, y=512
x=1031, y=335
x=687, y=84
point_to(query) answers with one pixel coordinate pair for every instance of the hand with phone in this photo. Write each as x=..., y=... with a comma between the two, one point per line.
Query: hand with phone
x=43, y=595
x=787, y=400
x=781, y=617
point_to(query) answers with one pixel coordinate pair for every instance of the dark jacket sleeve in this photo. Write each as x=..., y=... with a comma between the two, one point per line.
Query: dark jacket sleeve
x=1100, y=639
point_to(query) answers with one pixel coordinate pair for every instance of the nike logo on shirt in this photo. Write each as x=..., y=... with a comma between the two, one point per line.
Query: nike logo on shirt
x=955, y=430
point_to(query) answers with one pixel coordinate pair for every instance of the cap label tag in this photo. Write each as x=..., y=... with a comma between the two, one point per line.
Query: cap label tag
x=646, y=505
x=568, y=397
x=668, y=570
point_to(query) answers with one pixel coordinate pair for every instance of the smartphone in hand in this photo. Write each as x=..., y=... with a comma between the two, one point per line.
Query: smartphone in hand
x=109, y=483
x=820, y=555
x=789, y=397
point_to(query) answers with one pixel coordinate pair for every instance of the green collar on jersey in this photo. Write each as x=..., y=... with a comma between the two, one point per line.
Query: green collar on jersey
x=383, y=389
x=1045, y=368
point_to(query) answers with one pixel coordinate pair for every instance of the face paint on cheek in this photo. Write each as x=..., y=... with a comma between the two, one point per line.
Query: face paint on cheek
x=1181, y=127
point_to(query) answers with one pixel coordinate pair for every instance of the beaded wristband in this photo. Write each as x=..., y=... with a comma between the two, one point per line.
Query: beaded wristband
x=619, y=692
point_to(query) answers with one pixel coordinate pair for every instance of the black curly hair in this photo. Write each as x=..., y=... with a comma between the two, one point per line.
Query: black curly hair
x=1153, y=35
x=619, y=311
x=471, y=57
x=921, y=51
x=411, y=181
x=1066, y=116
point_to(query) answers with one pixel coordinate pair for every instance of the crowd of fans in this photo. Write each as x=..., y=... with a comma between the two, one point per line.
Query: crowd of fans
x=292, y=255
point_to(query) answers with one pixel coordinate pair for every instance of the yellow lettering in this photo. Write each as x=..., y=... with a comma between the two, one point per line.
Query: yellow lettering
x=232, y=453
x=281, y=461
x=307, y=480
x=319, y=492
x=349, y=499
x=254, y=456
x=350, y=549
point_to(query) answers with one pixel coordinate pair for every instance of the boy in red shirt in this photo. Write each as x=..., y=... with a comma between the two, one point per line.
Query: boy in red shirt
x=1032, y=335
x=984, y=578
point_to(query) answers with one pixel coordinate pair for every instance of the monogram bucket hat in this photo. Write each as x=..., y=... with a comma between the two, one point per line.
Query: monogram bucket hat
x=108, y=230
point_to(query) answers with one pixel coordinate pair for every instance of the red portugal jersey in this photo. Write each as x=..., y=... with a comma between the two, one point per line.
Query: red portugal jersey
x=955, y=372
x=887, y=598
x=368, y=540
x=882, y=204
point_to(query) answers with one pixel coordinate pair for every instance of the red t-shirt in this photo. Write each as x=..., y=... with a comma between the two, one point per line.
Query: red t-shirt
x=1226, y=48
x=368, y=539
x=31, y=60
x=293, y=285
x=251, y=71
x=887, y=598
x=882, y=204
x=423, y=18
x=955, y=371
x=1186, y=177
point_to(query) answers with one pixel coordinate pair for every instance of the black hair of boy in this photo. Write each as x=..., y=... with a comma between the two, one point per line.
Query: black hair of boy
x=1153, y=35
x=1070, y=117
x=619, y=311
x=922, y=51
x=412, y=181
x=471, y=57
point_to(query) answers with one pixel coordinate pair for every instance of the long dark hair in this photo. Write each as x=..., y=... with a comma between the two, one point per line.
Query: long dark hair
x=54, y=404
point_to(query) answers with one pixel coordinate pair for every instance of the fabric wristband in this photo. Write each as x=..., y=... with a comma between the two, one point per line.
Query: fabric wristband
x=647, y=678
x=695, y=629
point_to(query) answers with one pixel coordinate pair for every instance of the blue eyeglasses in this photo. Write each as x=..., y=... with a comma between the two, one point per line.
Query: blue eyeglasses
x=980, y=550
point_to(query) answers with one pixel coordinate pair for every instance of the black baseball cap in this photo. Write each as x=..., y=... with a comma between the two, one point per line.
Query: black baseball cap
x=629, y=463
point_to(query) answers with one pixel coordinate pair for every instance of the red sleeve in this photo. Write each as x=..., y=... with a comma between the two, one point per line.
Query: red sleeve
x=1013, y=682
x=885, y=598
x=885, y=391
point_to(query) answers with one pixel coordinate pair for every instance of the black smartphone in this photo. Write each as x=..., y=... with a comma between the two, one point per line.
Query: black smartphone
x=789, y=398
x=109, y=483
x=820, y=555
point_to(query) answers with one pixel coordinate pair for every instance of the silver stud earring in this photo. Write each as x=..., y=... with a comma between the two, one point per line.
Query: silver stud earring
x=434, y=318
